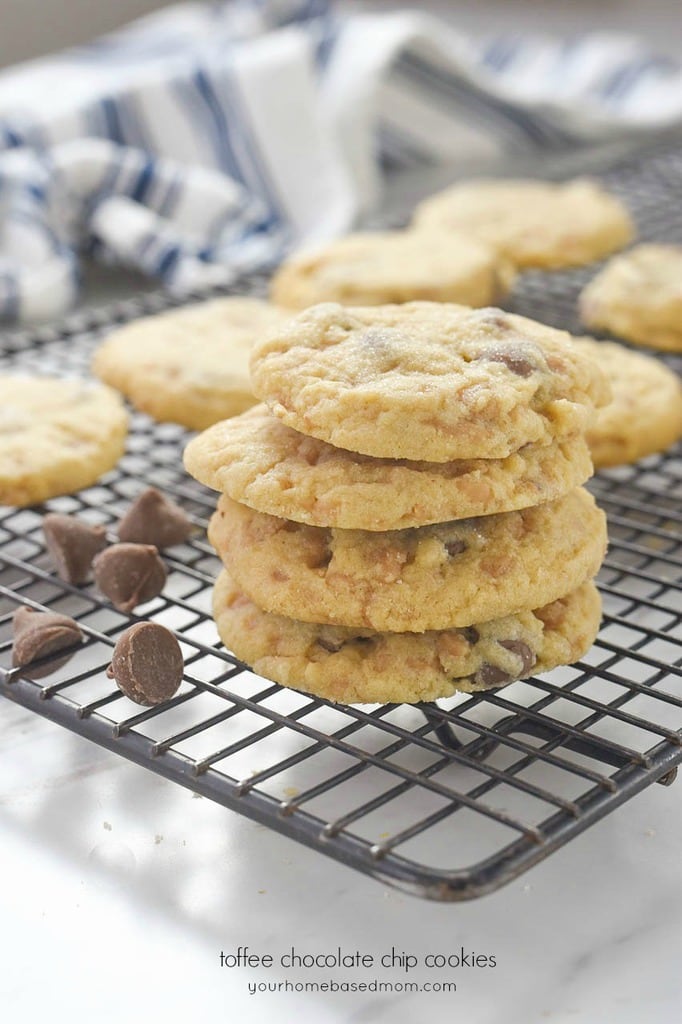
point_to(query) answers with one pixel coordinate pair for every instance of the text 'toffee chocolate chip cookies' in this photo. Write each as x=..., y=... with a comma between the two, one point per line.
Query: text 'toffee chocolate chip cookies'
x=343, y=577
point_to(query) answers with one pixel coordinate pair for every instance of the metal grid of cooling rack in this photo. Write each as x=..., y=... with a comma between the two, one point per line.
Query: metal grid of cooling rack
x=446, y=801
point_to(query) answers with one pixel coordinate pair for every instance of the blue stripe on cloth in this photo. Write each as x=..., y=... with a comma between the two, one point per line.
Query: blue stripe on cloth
x=399, y=150
x=9, y=296
x=208, y=117
x=166, y=204
x=144, y=180
x=168, y=260
x=531, y=126
x=621, y=81
x=501, y=52
x=111, y=119
x=257, y=177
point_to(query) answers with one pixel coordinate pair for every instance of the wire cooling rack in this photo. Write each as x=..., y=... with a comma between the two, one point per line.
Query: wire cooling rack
x=447, y=801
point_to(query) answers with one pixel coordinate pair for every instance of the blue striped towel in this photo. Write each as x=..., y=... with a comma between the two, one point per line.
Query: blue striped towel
x=209, y=139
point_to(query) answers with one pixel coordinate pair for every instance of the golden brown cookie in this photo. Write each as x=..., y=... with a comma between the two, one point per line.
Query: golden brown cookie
x=257, y=460
x=56, y=436
x=638, y=296
x=426, y=381
x=645, y=415
x=434, y=577
x=376, y=268
x=533, y=223
x=190, y=365
x=358, y=666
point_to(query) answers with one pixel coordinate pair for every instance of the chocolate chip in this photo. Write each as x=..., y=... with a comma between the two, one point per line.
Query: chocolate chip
x=329, y=645
x=129, y=574
x=72, y=545
x=516, y=357
x=527, y=656
x=493, y=316
x=490, y=675
x=147, y=664
x=471, y=635
x=455, y=547
x=37, y=634
x=154, y=519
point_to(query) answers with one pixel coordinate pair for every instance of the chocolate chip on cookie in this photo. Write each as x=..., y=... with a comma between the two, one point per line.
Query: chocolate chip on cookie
x=490, y=675
x=520, y=359
x=430, y=390
x=358, y=667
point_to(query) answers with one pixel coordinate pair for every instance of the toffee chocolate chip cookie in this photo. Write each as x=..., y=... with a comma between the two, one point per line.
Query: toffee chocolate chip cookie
x=391, y=267
x=426, y=381
x=533, y=223
x=645, y=415
x=188, y=366
x=257, y=460
x=638, y=296
x=357, y=666
x=435, y=577
x=56, y=436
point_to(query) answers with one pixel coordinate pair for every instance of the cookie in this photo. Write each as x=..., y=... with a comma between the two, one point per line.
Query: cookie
x=638, y=296
x=645, y=415
x=191, y=365
x=426, y=381
x=377, y=268
x=533, y=223
x=358, y=666
x=56, y=436
x=433, y=577
x=257, y=460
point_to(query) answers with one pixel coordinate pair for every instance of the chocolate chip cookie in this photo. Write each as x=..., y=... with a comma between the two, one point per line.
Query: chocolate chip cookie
x=533, y=223
x=257, y=460
x=426, y=381
x=56, y=436
x=377, y=268
x=191, y=365
x=433, y=577
x=638, y=296
x=358, y=666
x=645, y=415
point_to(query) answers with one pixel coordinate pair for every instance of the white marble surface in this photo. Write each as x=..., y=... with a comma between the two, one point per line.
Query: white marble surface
x=120, y=889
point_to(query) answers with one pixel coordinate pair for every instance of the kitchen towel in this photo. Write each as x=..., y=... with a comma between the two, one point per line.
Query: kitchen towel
x=209, y=139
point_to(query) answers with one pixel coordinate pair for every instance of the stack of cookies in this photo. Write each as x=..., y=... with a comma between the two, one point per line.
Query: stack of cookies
x=403, y=518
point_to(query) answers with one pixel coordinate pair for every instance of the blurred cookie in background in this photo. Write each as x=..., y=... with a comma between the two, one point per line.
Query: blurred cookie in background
x=384, y=267
x=532, y=223
x=190, y=365
x=638, y=296
x=645, y=414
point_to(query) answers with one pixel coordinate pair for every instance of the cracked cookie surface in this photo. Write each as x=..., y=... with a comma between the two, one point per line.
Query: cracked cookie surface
x=376, y=268
x=259, y=461
x=190, y=365
x=426, y=381
x=56, y=436
x=433, y=577
x=533, y=223
x=354, y=666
